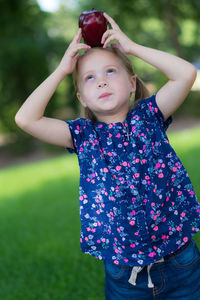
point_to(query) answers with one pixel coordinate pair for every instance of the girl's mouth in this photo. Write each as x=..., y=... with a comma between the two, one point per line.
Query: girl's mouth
x=104, y=95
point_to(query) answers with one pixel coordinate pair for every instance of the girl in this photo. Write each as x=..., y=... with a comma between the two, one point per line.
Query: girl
x=138, y=208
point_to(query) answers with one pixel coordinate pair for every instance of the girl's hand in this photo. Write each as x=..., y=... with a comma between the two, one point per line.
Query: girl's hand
x=70, y=57
x=125, y=44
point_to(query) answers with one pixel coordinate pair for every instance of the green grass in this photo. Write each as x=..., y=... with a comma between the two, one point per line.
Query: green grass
x=40, y=256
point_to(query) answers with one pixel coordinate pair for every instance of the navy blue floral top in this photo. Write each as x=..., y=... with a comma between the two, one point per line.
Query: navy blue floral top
x=137, y=203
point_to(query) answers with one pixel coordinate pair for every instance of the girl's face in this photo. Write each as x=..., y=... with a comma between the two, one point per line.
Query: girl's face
x=105, y=86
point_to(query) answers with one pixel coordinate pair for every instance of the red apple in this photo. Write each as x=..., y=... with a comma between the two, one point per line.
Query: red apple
x=93, y=24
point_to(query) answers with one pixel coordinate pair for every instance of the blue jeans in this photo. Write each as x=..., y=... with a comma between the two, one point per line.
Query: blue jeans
x=176, y=278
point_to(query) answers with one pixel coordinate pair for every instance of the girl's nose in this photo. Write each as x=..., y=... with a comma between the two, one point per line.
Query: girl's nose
x=102, y=83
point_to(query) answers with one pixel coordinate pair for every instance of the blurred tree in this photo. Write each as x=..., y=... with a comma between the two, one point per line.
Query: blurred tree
x=25, y=52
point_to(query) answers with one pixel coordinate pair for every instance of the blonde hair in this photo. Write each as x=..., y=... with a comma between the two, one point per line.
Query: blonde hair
x=141, y=90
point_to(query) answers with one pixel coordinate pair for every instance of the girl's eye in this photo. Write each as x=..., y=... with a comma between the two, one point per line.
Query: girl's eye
x=89, y=77
x=110, y=71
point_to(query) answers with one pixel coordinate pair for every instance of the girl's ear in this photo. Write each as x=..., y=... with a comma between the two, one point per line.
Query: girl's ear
x=133, y=83
x=80, y=99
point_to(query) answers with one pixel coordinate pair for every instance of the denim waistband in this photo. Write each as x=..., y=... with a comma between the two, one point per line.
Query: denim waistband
x=136, y=270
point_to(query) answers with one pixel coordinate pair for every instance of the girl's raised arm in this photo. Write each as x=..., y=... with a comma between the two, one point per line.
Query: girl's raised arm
x=30, y=116
x=181, y=73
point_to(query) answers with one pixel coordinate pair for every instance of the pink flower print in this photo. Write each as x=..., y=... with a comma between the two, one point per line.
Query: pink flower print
x=174, y=169
x=164, y=219
x=118, y=168
x=152, y=254
x=167, y=199
x=133, y=212
x=88, y=228
x=98, y=241
x=93, y=174
x=110, y=135
x=99, y=223
x=125, y=259
x=112, y=198
x=118, y=135
x=155, y=228
x=185, y=239
x=153, y=237
x=81, y=149
x=147, y=177
x=158, y=165
x=161, y=175
x=132, y=245
x=192, y=193
x=124, y=163
x=136, y=233
x=163, y=165
x=164, y=237
x=144, y=161
x=198, y=210
x=183, y=214
x=93, y=181
x=178, y=228
x=179, y=193
x=81, y=198
x=109, y=231
x=110, y=154
x=153, y=204
x=105, y=170
x=116, y=251
x=152, y=212
x=132, y=223
x=132, y=187
x=137, y=160
x=118, y=229
x=137, y=175
x=103, y=240
x=86, y=238
x=155, y=217
x=125, y=143
x=81, y=240
x=116, y=262
x=140, y=252
x=110, y=126
x=98, y=212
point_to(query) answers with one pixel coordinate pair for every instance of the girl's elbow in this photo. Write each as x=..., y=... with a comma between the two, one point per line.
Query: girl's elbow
x=192, y=73
x=19, y=121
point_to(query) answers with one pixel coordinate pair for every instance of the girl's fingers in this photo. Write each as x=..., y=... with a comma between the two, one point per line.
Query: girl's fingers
x=106, y=34
x=111, y=21
x=78, y=47
x=77, y=37
x=111, y=38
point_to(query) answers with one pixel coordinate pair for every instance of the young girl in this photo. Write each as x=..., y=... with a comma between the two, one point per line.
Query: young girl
x=138, y=208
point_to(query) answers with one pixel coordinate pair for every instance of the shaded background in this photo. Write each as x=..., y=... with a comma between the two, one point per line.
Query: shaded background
x=33, y=41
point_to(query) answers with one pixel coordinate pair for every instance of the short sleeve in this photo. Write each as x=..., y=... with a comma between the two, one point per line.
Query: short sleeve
x=151, y=110
x=76, y=128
